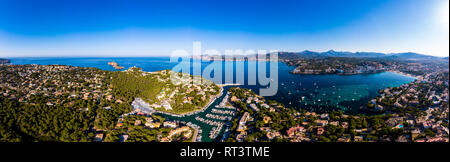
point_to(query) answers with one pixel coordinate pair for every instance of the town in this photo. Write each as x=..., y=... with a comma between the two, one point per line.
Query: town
x=66, y=103
x=85, y=104
x=272, y=121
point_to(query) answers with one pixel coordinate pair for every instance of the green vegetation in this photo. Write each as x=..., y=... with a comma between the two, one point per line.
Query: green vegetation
x=157, y=88
x=40, y=122
x=73, y=104
x=132, y=83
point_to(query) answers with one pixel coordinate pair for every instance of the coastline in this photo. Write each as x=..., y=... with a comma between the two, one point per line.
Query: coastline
x=344, y=74
x=150, y=71
x=228, y=84
x=404, y=74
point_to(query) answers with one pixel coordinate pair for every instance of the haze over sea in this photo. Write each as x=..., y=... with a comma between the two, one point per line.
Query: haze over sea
x=320, y=93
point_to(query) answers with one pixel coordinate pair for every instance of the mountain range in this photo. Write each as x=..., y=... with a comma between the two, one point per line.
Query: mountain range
x=332, y=53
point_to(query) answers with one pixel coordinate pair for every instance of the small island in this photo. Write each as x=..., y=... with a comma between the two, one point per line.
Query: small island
x=115, y=65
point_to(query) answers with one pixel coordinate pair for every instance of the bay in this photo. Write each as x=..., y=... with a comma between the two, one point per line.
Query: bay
x=320, y=93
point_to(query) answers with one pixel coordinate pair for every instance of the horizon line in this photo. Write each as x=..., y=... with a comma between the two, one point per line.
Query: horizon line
x=169, y=55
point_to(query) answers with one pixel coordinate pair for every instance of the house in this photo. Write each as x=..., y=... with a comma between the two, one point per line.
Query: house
x=119, y=125
x=344, y=125
x=265, y=106
x=154, y=125
x=267, y=119
x=272, y=135
x=294, y=131
x=343, y=139
x=170, y=124
x=358, y=138
x=320, y=131
x=373, y=101
x=166, y=105
x=267, y=129
x=414, y=102
x=322, y=122
x=234, y=99
x=119, y=101
x=335, y=123
x=399, y=126
x=253, y=106
x=324, y=116
x=137, y=122
x=271, y=109
x=410, y=122
x=249, y=100
x=402, y=138
x=241, y=136
x=123, y=137
x=98, y=137
x=426, y=124
x=379, y=108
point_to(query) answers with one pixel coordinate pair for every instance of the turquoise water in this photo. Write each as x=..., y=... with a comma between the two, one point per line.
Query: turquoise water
x=327, y=92
x=321, y=93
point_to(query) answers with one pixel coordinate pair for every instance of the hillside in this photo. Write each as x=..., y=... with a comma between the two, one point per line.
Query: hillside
x=190, y=93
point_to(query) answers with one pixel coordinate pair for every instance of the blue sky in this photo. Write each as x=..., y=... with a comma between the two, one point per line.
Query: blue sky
x=154, y=28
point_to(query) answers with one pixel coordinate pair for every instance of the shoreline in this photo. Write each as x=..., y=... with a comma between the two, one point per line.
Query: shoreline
x=404, y=74
x=228, y=84
x=348, y=74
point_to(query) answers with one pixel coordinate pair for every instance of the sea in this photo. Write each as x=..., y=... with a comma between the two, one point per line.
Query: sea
x=319, y=93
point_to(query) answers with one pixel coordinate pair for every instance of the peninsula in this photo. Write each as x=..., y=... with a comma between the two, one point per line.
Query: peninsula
x=88, y=104
x=159, y=92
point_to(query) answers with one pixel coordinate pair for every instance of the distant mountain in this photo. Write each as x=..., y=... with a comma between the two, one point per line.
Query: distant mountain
x=332, y=53
x=4, y=61
x=411, y=55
